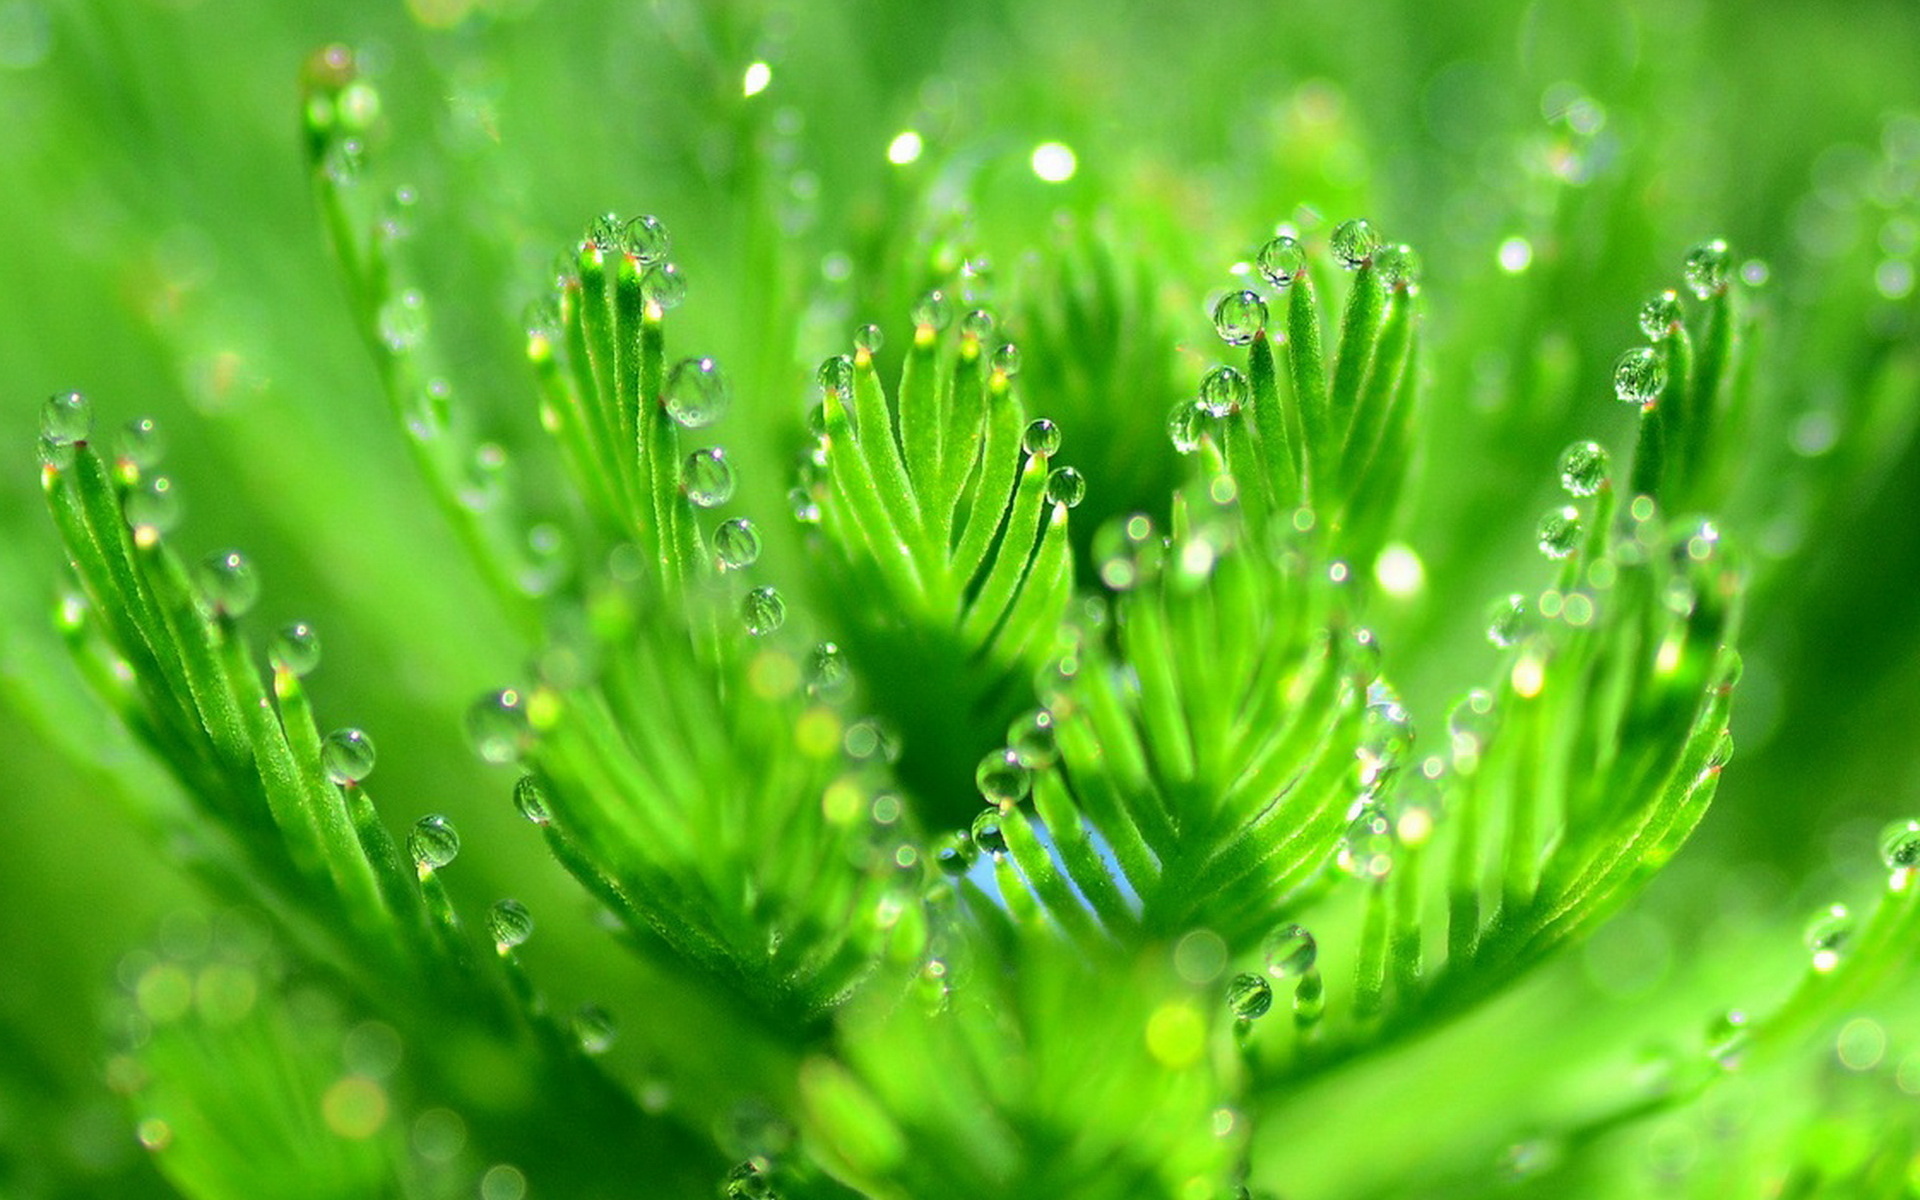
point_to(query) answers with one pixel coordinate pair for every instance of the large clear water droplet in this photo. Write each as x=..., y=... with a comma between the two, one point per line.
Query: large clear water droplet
x=977, y=325
x=1187, y=424
x=954, y=853
x=1509, y=620
x=66, y=418
x=141, y=443
x=869, y=338
x=763, y=611
x=1900, y=846
x=228, y=582
x=835, y=377
x=295, y=649
x=1472, y=721
x=987, y=834
x=153, y=507
x=1031, y=738
x=1281, y=261
x=1398, y=265
x=530, y=799
x=1559, y=531
x=1290, y=952
x=1660, y=315
x=1249, y=997
x=707, y=477
x=1585, y=468
x=1002, y=778
x=1224, y=390
x=933, y=311
x=697, y=393
x=736, y=544
x=1828, y=935
x=509, y=924
x=1354, y=242
x=433, y=843
x=1707, y=268
x=1066, y=486
x=1366, y=852
x=1639, y=376
x=497, y=727
x=828, y=673
x=646, y=239
x=664, y=285
x=594, y=1029
x=1239, y=316
x=1041, y=437
x=1006, y=361
x=348, y=756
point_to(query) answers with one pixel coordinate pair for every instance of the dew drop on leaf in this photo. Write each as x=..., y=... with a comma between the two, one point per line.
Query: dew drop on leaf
x=433, y=843
x=141, y=443
x=736, y=544
x=1559, y=531
x=954, y=852
x=1585, y=468
x=1290, y=952
x=977, y=325
x=707, y=477
x=645, y=237
x=1660, y=315
x=1398, y=265
x=1354, y=242
x=987, y=834
x=869, y=338
x=1508, y=619
x=509, y=924
x=1281, y=260
x=1707, y=267
x=228, y=582
x=697, y=393
x=295, y=648
x=1223, y=390
x=1900, y=845
x=835, y=376
x=497, y=727
x=593, y=1028
x=1066, y=486
x=1366, y=852
x=1639, y=375
x=1041, y=437
x=153, y=507
x=1002, y=778
x=1187, y=424
x=1239, y=316
x=348, y=756
x=66, y=418
x=1031, y=738
x=664, y=285
x=1006, y=361
x=530, y=799
x=1249, y=996
x=933, y=311
x=763, y=611
x=1828, y=935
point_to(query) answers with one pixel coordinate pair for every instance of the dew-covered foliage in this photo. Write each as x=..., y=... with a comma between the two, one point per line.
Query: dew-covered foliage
x=1049, y=602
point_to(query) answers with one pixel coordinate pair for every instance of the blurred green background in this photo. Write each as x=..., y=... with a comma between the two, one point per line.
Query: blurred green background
x=1552, y=161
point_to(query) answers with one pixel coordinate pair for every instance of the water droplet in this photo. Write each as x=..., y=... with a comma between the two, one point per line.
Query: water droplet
x=531, y=801
x=954, y=853
x=228, y=583
x=66, y=418
x=347, y=755
x=1508, y=620
x=1366, y=852
x=1290, y=952
x=1066, y=486
x=1900, y=846
x=1398, y=265
x=707, y=477
x=736, y=544
x=153, y=507
x=1281, y=261
x=1249, y=996
x=403, y=320
x=433, y=843
x=1707, y=268
x=1472, y=721
x=977, y=325
x=749, y=1180
x=1223, y=390
x=1031, y=738
x=1727, y=1037
x=664, y=285
x=141, y=443
x=646, y=239
x=1559, y=531
x=1002, y=778
x=763, y=611
x=1128, y=551
x=1006, y=361
x=295, y=649
x=1042, y=437
x=1239, y=316
x=803, y=506
x=987, y=834
x=1660, y=316
x=827, y=672
x=869, y=338
x=1639, y=376
x=835, y=377
x=1386, y=736
x=1828, y=935
x=604, y=232
x=594, y=1029
x=1354, y=242
x=1584, y=468
x=509, y=924
x=1187, y=424
x=933, y=311
x=697, y=393
x=497, y=727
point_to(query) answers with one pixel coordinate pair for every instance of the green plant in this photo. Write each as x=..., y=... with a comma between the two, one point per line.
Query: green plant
x=971, y=846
